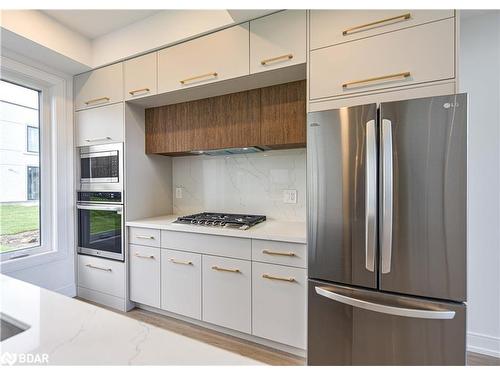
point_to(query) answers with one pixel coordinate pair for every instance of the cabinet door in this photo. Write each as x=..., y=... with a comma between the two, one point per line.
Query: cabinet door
x=406, y=57
x=181, y=283
x=278, y=40
x=277, y=252
x=102, y=275
x=329, y=27
x=100, y=125
x=140, y=76
x=145, y=275
x=99, y=87
x=231, y=120
x=227, y=292
x=279, y=303
x=283, y=114
x=211, y=58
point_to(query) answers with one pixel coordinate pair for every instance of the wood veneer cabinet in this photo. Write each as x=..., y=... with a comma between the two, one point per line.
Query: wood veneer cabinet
x=273, y=116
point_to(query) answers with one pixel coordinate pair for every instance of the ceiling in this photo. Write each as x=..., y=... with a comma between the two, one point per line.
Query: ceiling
x=93, y=23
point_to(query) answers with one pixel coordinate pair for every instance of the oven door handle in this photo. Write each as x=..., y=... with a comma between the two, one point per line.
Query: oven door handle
x=99, y=208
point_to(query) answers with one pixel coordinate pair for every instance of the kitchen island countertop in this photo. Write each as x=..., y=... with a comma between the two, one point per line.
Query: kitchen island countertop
x=71, y=332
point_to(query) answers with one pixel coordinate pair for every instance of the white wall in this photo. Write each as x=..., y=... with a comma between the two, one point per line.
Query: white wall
x=480, y=77
x=246, y=184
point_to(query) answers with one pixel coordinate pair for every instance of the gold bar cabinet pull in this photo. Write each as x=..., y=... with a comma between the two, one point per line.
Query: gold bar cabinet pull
x=381, y=78
x=279, y=278
x=288, y=56
x=269, y=252
x=97, y=100
x=186, y=262
x=402, y=17
x=144, y=256
x=187, y=80
x=145, y=90
x=217, y=268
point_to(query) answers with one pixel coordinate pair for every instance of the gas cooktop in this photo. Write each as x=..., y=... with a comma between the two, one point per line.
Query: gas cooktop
x=215, y=219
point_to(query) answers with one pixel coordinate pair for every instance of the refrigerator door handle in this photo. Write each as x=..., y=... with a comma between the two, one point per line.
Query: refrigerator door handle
x=387, y=196
x=370, y=196
x=385, y=309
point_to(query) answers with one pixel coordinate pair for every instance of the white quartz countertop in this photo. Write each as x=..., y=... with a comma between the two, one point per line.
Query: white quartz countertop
x=274, y=230
x=72, y=332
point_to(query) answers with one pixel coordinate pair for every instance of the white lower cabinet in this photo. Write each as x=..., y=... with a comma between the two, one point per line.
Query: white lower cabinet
x=227, y=299
x=145, y=275
x=279, y=303
x=101, y=275
x=181, y=283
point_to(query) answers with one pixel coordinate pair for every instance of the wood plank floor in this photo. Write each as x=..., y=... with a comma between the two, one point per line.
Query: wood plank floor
x=247, y=348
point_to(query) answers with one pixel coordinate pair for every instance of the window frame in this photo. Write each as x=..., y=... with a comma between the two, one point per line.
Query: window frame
x=28, y=127
x=55, y=167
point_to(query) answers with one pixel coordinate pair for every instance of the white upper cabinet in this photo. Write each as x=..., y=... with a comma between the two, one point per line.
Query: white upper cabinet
x=329, y=27
x=278, y=40
x=99, y=125
x=99, y=87
x=410, y=56
x=140, y=76
x=211, y=58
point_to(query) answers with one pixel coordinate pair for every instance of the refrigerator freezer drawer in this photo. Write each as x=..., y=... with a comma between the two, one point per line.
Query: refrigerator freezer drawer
x=349, y=326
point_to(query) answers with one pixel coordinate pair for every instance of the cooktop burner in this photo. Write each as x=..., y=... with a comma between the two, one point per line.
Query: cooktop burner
x=215, y=219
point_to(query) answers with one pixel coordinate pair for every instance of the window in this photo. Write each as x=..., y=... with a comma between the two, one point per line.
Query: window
x=32, y=142
x=20, y=224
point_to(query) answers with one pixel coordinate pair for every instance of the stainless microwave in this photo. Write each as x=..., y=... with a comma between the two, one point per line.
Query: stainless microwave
x=101, y=167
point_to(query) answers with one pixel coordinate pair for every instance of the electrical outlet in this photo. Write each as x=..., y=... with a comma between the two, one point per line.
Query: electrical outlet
x=178, y=192
x=290, y=196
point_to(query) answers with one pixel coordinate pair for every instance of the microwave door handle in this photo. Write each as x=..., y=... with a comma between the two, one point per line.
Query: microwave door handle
x=385, y=309
x=98, y=208
x=387, y=196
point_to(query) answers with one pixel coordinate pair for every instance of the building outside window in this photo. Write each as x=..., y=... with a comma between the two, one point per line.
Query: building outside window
x=19, y=167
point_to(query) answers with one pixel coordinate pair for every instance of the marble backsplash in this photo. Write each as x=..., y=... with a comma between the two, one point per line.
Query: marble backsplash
x=247, y=184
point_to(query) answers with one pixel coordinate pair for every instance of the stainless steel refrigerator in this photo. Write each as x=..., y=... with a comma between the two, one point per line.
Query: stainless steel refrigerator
x=387, y=233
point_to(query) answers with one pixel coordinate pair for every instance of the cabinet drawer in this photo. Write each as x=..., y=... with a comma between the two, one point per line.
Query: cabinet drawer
x=286, y=253
x=329, y=27
x=100, y=125
x=211, y=58
x=416, y=55
x=181, y=283
x=279, y=303
x=145, y=275
x=102, y=275
x=278, y=40
x=144, y=236
x=140, y=76
x=232, y=247
x=99, y=87
x=227, y=292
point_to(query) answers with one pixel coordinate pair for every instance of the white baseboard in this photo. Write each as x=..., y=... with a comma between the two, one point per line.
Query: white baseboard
x=483, y=344
x=68, y=290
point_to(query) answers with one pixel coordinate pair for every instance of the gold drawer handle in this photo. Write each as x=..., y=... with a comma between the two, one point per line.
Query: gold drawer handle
x=217, y=268
x=186, y=262
x=289, y=279
x=288, y=56
x=403, y=17
x=390, y=76
x=97, y=100
x=269, y=252
x=98, y=268
x=144, y=256
x=133, y=92
x=145, y=237
x=186, y=80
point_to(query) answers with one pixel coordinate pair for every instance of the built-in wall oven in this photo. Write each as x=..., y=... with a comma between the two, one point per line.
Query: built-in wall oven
x=101, y=167
x=101, y=224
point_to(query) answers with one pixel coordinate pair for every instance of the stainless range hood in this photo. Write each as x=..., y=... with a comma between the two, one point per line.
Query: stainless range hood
x=230, y=151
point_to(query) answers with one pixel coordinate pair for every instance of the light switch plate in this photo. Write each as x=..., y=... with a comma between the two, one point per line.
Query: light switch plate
x=290, y=196
x=178, y=192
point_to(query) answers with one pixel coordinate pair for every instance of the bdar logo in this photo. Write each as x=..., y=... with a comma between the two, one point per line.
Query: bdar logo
x=8, y=359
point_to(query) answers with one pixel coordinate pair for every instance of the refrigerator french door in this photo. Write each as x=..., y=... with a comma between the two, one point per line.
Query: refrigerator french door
x=387, y=233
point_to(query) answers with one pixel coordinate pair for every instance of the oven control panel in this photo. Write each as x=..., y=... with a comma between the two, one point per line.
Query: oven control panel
x=100, y=196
